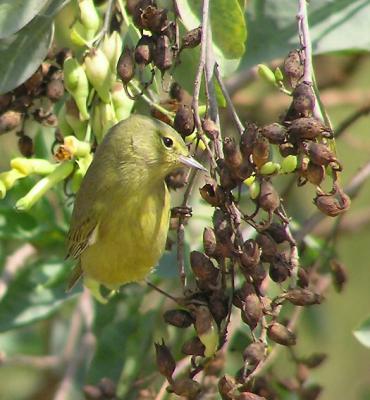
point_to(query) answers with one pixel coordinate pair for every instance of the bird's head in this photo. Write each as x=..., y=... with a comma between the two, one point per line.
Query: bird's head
x=156, y=146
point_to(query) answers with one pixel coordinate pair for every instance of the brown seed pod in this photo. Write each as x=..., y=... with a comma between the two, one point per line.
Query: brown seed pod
x=126, y=65
x=55, y=89
x=293, y=67
x=320, y=154
x=314, y=174
x=223, y=229
x=227, y=179
x=184, y=120
x=268, y=199
x=248, y=139
x=241, y=294
x=261, y=151
x=218, y=306
x=92, y=392
x=281, y=334
x=138, y=10
x=154, y=19
x=339, y=274
x=311, y=392
x=250, y=256
x=226, y=387
x=307, y=128
x=165, y=361
x=209, y=242
x=303, y=99
x=25, y=146
x=108, y=388
x=193, y=347
x=333, y=204
x=163, y=55
x=144, y=50
x=177, y=92
x=288, y=149
x=233, y=156
x=280, y=269
x=177, y=179
x=212, y=194
x=274, y=133
x=252, y=310
x=268, y=247
x=254, y=353
x=178, y=318
x=33, y=83
x=303, y=279
x=9, y=120
x=258, y=275
x=277, y=232
x=191, y=39
x=314, y=360
x=203, y=267
x=302, y=297
x=185, y=387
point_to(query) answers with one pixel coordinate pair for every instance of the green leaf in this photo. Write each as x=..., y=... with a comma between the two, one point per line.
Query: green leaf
x=362, y=334
x=335, y=26
x=35, y=293
x=227, y=22
x=15, y=14
x=22, y=53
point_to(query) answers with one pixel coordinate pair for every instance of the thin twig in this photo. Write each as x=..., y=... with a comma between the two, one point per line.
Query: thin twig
x=78, y=349
x=308, y=74
x=230, y=104
x=365, y=110
x=13, y=264
x=107, y=19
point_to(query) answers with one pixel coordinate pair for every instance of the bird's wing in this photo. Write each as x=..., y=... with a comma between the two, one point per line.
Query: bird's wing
x=81, y=236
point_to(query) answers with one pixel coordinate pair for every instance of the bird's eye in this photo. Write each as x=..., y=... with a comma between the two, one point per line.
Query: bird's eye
x=168, y=142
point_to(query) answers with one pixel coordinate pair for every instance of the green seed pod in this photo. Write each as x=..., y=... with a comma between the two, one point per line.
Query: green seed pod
x=8, y=180
x=266, y=74
x=112, y=48
x=89, y=17
x=64, y=128
x=98, y=73
x=289, y=164
x=254, y=190
x=122, y=104
x=73, y=118
x=269, y=168
x=29, y=166
x=278, y=74
x=75, y=81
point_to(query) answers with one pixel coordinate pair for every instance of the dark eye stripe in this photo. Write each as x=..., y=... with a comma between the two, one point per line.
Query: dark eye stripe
x=168, y=142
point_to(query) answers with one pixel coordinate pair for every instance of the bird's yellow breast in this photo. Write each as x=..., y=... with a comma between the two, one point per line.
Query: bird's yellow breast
x=130, y=238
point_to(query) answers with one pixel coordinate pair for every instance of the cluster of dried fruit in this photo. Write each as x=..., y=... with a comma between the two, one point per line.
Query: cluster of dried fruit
x=34, y=99
x=232, y=275
x=158, y=46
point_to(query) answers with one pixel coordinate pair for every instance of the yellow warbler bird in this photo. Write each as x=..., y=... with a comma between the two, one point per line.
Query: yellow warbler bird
x=121, y=213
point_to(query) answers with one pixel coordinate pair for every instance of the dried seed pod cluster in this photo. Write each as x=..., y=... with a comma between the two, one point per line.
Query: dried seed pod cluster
x=157, y=46
x=34, y=99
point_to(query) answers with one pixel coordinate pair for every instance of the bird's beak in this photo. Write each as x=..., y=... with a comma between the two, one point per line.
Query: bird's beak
x=190, y=162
